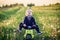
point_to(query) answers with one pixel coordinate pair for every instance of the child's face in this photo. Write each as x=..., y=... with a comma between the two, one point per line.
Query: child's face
x=29, y=14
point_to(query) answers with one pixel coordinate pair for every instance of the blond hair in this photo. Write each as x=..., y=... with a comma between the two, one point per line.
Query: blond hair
x=29, y=11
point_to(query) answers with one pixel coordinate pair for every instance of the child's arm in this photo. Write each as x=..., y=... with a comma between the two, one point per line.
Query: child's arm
x=25, y=20
x=33, y=20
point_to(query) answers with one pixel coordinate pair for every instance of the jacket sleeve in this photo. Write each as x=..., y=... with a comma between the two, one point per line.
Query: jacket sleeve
x=25, y=20
x=33, y=20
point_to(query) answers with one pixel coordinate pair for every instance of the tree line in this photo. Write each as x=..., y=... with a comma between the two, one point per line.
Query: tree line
x=31, y=4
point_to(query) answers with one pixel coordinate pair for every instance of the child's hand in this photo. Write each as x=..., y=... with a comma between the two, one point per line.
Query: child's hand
x=24, y=25
x=34, y=25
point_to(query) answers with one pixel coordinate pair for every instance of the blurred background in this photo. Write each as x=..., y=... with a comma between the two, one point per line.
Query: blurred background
x=45, y=12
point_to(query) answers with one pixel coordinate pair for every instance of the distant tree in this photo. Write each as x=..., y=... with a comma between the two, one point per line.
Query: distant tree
x=15, y=4
x=11, y=5
x=30, y=5
x=6, y=5
x=50, y=4
x=0, y=6
x=21, y=4
x=57, y=4
x=3, y=6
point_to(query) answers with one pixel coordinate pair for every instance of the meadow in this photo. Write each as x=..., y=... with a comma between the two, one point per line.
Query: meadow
x=46, y=17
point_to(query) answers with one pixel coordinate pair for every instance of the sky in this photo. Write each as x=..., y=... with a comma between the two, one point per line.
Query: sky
x=25, y=2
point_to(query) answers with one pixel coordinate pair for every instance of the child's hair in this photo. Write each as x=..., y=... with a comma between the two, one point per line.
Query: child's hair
x=29, y=11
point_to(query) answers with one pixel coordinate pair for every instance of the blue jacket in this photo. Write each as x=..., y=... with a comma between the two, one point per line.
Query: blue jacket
x=29, y=22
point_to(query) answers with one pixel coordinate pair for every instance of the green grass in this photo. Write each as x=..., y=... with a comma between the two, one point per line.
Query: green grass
x=48, y=21
x=5, y=14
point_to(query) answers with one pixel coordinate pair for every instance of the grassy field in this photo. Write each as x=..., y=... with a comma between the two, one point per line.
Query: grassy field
x=47, y=18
